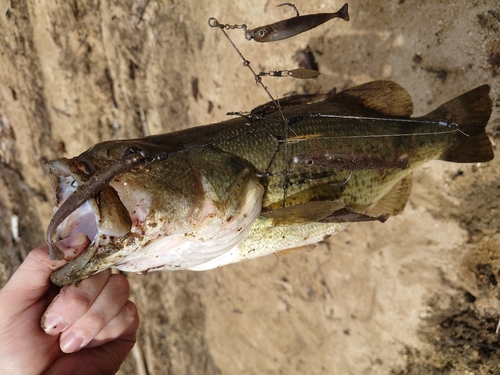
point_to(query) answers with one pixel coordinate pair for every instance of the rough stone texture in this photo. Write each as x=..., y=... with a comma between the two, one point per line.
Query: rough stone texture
x=418, y=294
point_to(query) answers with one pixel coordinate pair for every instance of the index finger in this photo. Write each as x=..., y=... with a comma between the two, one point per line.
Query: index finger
x=31, y=280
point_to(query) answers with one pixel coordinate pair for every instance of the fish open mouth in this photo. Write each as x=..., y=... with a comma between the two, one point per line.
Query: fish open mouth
x=79, y=219
x=82, y=220
x=80, y=191
x=101, y=216
x=82, y=208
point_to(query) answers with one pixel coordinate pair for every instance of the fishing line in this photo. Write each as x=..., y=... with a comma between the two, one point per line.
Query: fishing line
x=444, y=124
x=372, y=136
x=453, y=127
x=286, y=135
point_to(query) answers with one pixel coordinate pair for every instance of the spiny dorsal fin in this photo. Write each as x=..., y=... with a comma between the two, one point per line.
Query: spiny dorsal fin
x=386, y=97
x=395, y=200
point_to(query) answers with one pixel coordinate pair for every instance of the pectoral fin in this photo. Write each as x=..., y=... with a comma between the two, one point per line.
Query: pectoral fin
x=303, y=213
x=395, y=200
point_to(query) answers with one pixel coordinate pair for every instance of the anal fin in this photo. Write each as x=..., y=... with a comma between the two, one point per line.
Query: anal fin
x=395, y=200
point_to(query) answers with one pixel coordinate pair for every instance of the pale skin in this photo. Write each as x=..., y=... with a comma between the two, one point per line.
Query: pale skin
x=85, y=329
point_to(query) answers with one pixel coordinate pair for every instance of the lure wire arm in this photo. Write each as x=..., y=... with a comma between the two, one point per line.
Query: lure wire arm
x=214, y=23
x=454, y=127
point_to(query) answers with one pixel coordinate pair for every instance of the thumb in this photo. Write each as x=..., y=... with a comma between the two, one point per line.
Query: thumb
x=31, y=280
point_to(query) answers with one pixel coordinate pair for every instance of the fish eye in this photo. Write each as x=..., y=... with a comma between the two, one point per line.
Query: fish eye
x=309, y=162
x=129, y=151
x=133, y=150
x=137, y=152
x=261, y=33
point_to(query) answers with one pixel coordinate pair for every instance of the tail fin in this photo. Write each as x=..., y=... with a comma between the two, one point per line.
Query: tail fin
x=344, y=12
x=471, y=111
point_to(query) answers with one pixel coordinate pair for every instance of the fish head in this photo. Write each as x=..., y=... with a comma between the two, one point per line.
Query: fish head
x=169, y=211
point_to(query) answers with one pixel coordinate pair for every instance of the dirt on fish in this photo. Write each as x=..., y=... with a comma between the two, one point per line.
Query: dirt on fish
x=418, y=294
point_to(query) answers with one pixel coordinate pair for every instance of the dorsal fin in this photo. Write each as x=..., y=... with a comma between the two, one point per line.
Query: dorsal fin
x=386, y=97
x=395, y=200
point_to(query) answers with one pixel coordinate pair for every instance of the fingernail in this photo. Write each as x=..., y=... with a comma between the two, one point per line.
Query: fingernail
x=74, y=241
x=53, y=325
x=71, y=342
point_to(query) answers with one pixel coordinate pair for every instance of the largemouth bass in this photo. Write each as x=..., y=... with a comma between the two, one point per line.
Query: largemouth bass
x=259, y=184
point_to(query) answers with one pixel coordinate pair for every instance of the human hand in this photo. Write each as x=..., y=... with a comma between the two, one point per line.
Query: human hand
x=89, y=328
